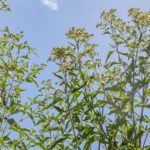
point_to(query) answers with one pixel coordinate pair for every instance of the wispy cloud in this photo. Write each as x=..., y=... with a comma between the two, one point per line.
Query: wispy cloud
x=51, y=4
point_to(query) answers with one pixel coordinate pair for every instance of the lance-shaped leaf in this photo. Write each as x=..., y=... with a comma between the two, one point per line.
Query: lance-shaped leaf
x=79, y=87
x=108, y=55
x=57, y=142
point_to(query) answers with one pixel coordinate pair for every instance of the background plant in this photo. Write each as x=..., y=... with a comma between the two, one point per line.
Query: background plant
x=15, y=71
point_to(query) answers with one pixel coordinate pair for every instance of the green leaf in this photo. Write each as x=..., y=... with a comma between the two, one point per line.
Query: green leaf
x=139, y=134
x=35, y=82
x=111, y=45
x=125, y=54
x=32, y=141
x=72, y=44
x=57, y=141
x=40, y=121
x=55, y=101
x=18, y=90
x=11, y=121
x=78, y=88
x=25, y=129
x=147, y=92
x=31, y=79
x=132, y=45
x=85, y=52
x=59, y=109
x=130, y=131
x=31, y=117
x=31, y=146
x=147, y=147
x=106, y=32
x=5, y=138
x=143, y=105
x=89, y=142
x=58, y=76
x=88, y=130
x=75, y=96
x=109, y=54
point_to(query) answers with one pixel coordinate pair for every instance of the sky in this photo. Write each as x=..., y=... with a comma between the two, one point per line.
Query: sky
x=45, y=22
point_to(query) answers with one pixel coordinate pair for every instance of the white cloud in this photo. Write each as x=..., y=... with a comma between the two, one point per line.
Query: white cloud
x=51, y=4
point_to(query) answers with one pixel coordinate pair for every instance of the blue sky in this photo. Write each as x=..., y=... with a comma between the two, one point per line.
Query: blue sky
x=45, y=22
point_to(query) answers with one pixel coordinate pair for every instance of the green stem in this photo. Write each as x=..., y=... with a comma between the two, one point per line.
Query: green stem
x=68, y=107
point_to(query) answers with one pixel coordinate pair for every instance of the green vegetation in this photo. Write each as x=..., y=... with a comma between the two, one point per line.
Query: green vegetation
x=105, y=105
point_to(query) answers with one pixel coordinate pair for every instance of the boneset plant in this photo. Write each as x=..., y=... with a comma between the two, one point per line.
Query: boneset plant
x=100, y=105
x=89, y=104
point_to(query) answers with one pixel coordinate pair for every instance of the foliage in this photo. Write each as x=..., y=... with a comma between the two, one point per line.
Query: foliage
x=91, y=104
